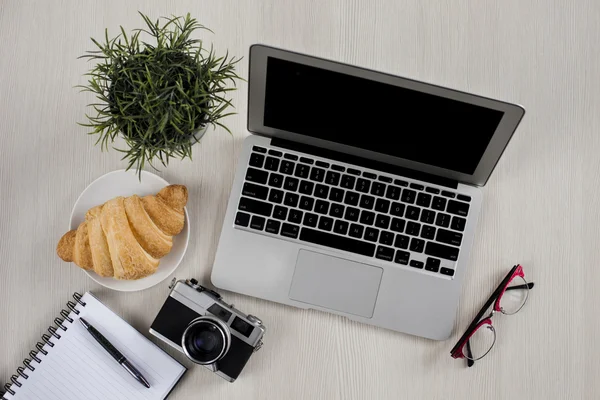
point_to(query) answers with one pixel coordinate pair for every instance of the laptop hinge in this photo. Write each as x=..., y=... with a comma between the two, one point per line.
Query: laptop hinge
x=365, y=162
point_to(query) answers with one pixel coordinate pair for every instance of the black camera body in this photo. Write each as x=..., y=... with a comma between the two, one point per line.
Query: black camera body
x=210, y=332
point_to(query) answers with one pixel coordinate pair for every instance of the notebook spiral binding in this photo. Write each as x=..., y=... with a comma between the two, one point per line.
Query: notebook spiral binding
x=53, y=334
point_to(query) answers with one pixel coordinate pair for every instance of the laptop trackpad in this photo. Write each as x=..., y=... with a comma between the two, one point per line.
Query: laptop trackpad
x=335, y=283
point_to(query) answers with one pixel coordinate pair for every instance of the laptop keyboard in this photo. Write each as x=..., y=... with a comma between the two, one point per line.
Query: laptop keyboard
x=351, y=210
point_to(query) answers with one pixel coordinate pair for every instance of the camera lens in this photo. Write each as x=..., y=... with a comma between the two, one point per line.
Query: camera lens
x=205, y=340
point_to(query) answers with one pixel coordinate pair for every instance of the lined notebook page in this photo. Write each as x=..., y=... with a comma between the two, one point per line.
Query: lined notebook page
x=77, y=367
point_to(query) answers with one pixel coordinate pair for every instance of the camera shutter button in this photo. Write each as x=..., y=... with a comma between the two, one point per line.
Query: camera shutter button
x=254, y=320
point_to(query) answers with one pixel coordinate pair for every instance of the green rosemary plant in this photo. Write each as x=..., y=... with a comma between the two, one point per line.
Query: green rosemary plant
x=158, y=95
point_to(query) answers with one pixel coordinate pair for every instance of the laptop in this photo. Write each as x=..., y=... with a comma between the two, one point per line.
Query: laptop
x=358, y=193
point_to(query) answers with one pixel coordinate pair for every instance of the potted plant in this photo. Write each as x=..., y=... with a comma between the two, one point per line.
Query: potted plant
x=161, y=94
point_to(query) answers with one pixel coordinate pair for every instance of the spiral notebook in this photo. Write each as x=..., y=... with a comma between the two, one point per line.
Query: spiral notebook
x=70, y=365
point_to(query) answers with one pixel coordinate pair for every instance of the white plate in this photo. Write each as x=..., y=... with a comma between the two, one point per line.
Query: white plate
x=126, y=183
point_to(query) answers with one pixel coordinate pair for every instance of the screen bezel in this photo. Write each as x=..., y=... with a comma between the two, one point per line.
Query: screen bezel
x=259, y=54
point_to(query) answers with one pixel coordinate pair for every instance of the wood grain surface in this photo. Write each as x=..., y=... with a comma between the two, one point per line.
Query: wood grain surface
x=541, y=206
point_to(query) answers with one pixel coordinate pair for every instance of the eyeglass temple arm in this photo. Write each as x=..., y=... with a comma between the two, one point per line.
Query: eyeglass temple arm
x=529, y=286
x=470, y=362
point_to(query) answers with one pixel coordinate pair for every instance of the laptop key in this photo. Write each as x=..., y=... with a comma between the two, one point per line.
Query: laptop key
x=322, y=164
x=276, y=196
x=432, y=264
x=385, y=253
x=295, y=216
x=402, y=257
x=367, y=218
x=386, y=238
x=255, y=206
x=275, y=153
x=423, y=199
x=417, y=186
x=351, y=198
x=272, y=164
x=321, y=207
x=371, y=234
x=256, y=175
x=280, y=213
x=255, y=191
x=447, y=271
x=382, y=206
x=340, y=227
x=256, y=160
x=432, y=190
x=317, y=174
x=348, y=182
x=428, y=216
x=463, y=197
x=378, y=189
x=310, y=219
x=332, y=178
x=338, y=168
x=363, y=185
x=287, y=167
x=336, y=210
x=289, y=156
x=408, y=196
x=291, y=184
x=439, y=203
x=382, y=221
x=257, y=223
x=306, y=203
x=401, y=241
x=369, y=175
x=449, y=237
x=458, y=223
x=417, y=245
x=302, y=171
x=448, y=194
x=428, y=232
x=386, y=179
x=398, y=225
x=400, y=182
x=336, y=195
x=242, y=219
x=356, y=230
x=442, y=220
x=367, y=201
x=291, y=199
x=393, y=192
x=353, y=171
x=458, y=208
x=273, y=226
x=259, y=149
x=416, y=264
x=325, y=223
x=321, y=191
x=413, y=228
x=441, y=251
x=275, y=180
x=352, y=214
x=289, y=230
x=412, y=212
x=397, y=209
x=307, y=160
x=306, y=187
x=337, y=242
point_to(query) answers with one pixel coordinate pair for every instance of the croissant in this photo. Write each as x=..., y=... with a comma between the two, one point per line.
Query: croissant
x=126, y=236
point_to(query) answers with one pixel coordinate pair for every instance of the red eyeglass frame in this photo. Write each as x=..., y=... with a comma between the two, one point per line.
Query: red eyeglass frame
x=478, y=322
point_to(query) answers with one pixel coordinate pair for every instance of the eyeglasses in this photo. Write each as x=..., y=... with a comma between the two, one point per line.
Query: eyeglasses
x=508, y=298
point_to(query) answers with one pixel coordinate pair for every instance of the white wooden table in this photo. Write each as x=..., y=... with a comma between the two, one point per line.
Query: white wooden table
x=541, y=207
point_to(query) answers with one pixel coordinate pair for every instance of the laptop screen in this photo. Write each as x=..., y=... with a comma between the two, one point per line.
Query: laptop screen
x=376, y=116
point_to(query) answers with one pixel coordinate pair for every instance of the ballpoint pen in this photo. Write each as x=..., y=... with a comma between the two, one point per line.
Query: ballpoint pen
x=116, y=354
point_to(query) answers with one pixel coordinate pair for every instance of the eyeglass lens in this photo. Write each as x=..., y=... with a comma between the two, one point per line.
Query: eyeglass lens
x=480, y=343
x=515, y=296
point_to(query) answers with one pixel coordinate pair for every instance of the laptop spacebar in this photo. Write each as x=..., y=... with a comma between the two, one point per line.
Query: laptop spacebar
x=337, y=242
